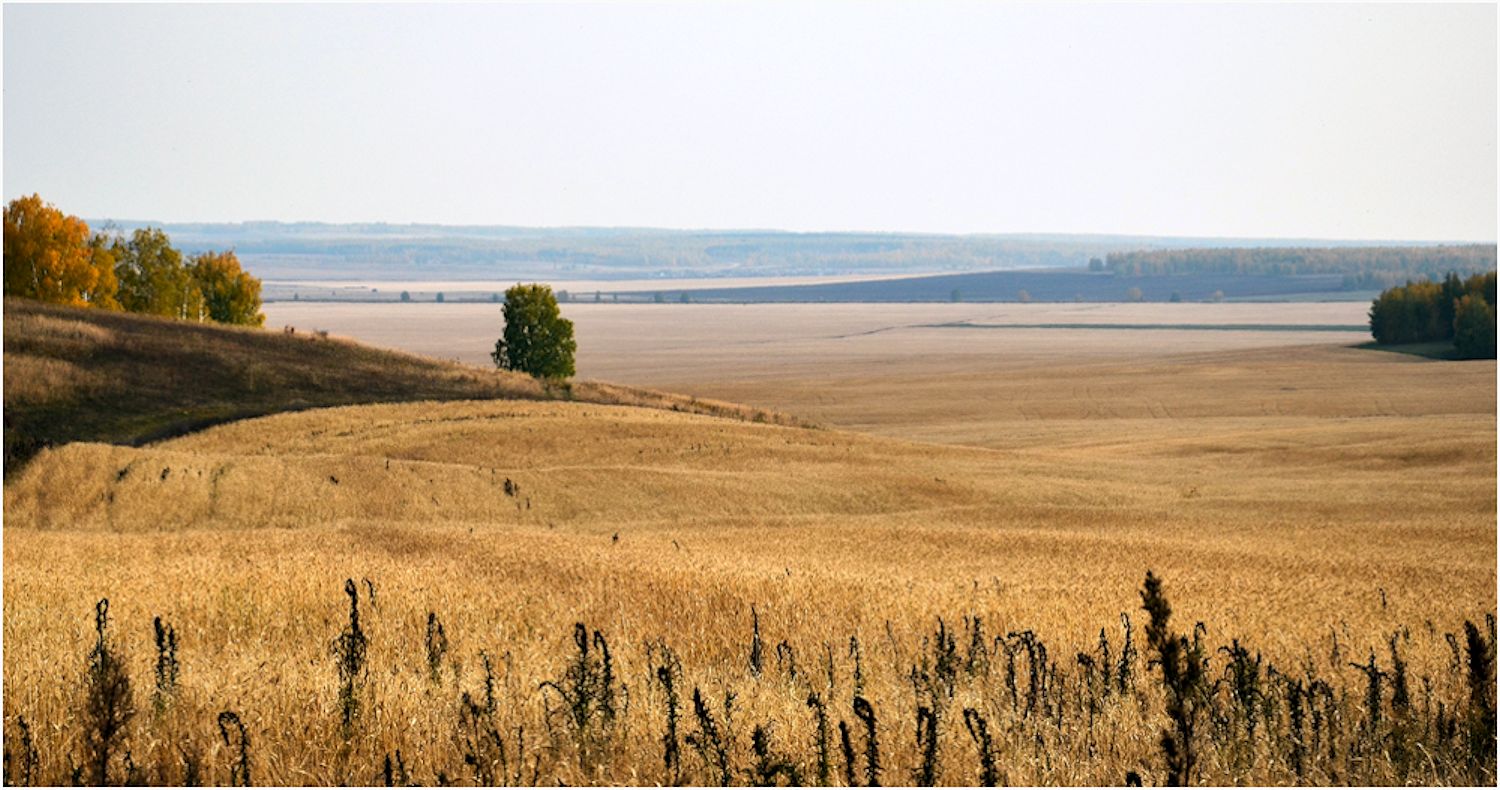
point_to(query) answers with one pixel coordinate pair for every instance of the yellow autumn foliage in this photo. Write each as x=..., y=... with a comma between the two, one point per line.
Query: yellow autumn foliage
x=50, y=256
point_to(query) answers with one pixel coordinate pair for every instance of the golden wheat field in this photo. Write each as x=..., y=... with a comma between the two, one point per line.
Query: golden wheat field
x=766, y=597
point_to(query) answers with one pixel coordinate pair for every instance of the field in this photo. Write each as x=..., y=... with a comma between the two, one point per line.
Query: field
x=979, y=508
x=1063, y=285
x=987, y=375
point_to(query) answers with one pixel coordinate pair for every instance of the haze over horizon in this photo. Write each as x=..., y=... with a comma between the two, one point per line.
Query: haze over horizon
x=1288, y=121
x=129, y=222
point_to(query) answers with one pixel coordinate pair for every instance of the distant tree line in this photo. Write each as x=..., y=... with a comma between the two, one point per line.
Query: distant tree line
x=1457, y=309
x=1362, y=267
x=443, y=252
x=54, y=257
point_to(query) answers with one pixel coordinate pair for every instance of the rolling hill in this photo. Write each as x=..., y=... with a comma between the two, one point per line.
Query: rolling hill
x=89, y=375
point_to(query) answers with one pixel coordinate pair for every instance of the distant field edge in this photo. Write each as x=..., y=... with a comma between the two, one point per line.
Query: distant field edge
x=1171, y=327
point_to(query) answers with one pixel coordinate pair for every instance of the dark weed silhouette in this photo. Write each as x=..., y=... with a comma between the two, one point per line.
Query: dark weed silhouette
x=21, y=763
x=349, y=651
x=590, y=694
x=167, y=667
x=436, y=645
x=979, y=730
x=770, y=768
x=237, y=740
x=1181, y=664
x=108, y=704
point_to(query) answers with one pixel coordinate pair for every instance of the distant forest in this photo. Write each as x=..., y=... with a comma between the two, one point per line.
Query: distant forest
x=319, y=251
x=313, y=251
x=1359, y=267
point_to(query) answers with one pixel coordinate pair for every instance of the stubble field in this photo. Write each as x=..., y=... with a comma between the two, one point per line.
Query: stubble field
x=1323, y=505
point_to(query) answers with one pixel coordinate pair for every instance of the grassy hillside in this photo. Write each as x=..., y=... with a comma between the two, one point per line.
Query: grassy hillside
x=847, y=563
x=87, y=375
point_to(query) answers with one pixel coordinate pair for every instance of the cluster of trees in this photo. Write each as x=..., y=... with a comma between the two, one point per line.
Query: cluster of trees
x=1362, y=267
x=54, y=257
x=1427, y=310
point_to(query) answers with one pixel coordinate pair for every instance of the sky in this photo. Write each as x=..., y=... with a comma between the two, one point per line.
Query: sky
x=1340, y=121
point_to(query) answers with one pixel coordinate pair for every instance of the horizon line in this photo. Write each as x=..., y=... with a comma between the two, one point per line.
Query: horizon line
x=781, y=231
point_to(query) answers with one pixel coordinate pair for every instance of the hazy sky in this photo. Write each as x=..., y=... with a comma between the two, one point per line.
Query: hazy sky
x=1345, y=121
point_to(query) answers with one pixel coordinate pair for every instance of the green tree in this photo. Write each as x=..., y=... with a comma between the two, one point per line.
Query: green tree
x=1482, y=285
x=537, y=339
x=1474, y=327
x=1447, y=299
x=1411, y=313
x=153, y=278
x=230, y=294
x=406, y=296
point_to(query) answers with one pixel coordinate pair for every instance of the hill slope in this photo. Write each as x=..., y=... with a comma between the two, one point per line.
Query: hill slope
x=88, y=375
x=508, y=522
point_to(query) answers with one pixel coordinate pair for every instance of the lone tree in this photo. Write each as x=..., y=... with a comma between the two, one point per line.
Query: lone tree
x=537, y=339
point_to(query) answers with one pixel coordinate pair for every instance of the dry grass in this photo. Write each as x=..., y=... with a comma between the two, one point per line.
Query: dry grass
x=86, y=375
x=1282, y=538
